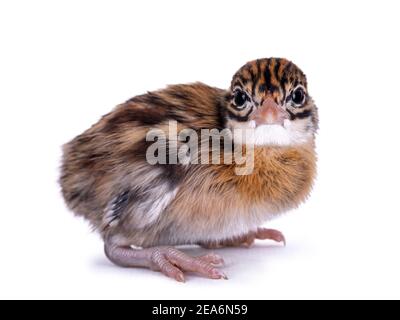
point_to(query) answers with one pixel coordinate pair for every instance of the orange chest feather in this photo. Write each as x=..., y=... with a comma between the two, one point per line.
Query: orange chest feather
x=281, y=178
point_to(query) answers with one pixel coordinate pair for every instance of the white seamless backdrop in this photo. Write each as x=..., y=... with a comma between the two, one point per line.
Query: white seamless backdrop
x=63, y=64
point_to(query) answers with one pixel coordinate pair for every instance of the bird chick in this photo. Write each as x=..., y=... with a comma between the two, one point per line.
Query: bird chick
x=142, y=209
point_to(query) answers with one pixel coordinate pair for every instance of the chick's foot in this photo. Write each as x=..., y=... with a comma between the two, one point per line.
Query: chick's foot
x=246, y=240
x=168, y=260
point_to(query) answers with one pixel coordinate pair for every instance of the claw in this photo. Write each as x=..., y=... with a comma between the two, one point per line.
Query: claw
x=180, y=278
x=248, y=239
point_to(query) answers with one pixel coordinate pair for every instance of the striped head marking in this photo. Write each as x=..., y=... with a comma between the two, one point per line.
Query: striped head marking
x=271, y=97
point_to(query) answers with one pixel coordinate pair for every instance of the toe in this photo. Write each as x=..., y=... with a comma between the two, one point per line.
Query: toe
x=196, y=265
x=263, y=234
x=160, y=263
x=172, y=272
x=204, y=268
x=213, y=259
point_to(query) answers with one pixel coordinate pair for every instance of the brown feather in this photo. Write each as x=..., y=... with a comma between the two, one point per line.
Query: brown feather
x=211, y=202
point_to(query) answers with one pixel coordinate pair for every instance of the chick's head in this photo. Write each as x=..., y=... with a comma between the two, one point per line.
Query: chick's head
x=270, y=96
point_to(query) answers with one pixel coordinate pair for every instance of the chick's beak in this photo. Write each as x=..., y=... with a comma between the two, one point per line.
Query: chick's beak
x=269, y=113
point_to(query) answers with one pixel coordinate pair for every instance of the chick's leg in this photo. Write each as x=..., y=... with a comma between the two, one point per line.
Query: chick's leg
x=247, y=240
x=170, y=261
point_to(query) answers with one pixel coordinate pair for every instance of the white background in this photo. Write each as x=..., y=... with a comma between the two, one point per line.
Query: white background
x=65, y=63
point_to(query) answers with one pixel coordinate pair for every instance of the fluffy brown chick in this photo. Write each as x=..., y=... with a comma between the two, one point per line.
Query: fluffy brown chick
x=142, y=209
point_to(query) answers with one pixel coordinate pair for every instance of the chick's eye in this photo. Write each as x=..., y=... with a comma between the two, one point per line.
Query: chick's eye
x=298, y=96
x=240, y=98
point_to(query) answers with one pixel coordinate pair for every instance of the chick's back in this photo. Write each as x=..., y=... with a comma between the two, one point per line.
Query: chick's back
x=104, y=170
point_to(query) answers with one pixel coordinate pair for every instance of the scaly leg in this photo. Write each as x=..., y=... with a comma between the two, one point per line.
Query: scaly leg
x=247, y=240
x=167, y=260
